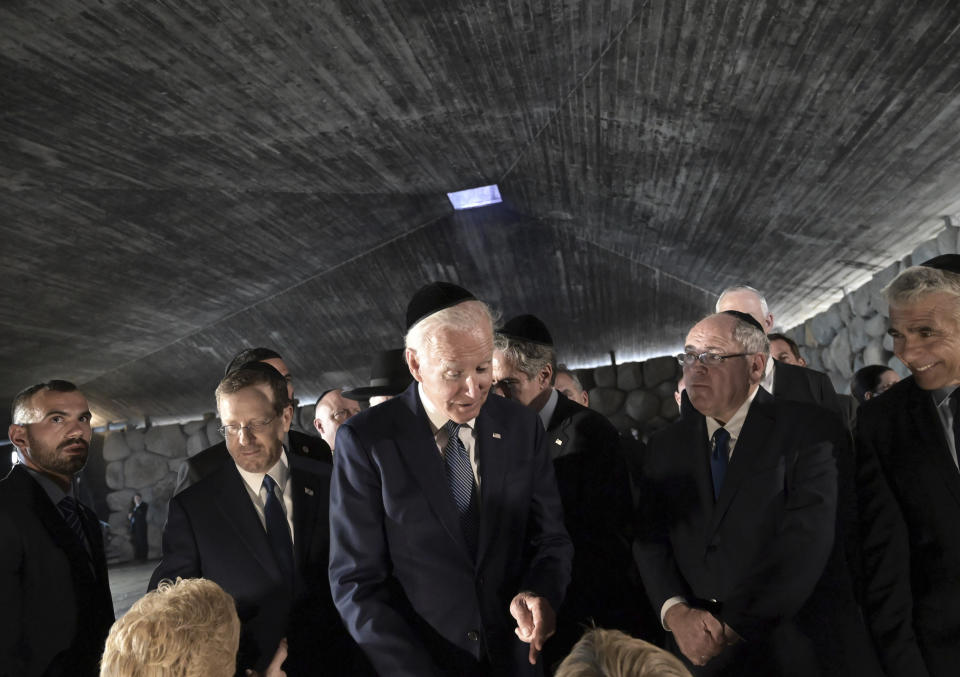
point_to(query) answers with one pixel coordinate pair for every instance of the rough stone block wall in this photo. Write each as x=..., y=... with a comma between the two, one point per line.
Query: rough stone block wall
x=852, y=333
x=635, y=396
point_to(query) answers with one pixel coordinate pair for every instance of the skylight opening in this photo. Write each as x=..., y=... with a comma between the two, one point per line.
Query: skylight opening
x=472, y=198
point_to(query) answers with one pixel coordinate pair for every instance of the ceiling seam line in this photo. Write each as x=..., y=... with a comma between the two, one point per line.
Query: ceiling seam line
x=313, y=277
x=576, y=87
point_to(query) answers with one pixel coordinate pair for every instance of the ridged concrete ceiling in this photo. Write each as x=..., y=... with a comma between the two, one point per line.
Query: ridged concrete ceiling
x=182, y=179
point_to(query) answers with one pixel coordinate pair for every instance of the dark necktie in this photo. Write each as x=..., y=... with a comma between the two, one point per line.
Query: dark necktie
x=463, y=487
x=719, y=457
x=955, y=409
x=70, y=510
x=278, y=531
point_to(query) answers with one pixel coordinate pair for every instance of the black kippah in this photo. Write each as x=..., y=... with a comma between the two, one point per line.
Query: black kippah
x=949, y=263
x=746, y=317
x=433, y=298
x=527, y=328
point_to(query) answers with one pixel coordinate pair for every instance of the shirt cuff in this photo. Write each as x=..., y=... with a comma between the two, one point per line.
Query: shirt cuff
x=669, y=604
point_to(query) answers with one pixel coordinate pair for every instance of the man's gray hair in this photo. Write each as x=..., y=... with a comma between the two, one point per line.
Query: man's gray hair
x=752, y=339
x=527, y=356
x=469, y=316
x=564, y=369
x=764, y=308
x=918, y=281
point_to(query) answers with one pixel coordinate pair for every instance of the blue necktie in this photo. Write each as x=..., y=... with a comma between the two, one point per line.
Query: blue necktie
x=463, y=487
x=278, y=531
x=70, y=510
x=719, y=457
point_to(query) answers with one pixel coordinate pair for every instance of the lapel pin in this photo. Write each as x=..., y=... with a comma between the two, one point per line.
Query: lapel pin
x=558, y=442
x=308, y=491
x=496, y=436
x=305, y=449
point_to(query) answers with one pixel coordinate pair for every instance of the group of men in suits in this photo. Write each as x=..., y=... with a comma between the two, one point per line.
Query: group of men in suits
x=457, y=533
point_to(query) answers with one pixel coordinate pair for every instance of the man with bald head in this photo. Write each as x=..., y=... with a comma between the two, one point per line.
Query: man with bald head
x=739, y=509
x=332, y=410
x=56, y=609
x=780, y=379
x=908, y=479
x=448, y=551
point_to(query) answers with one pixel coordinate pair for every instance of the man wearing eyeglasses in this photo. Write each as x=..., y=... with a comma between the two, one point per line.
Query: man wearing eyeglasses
x=211, y=458
x=739, y=505
x=332, y=410
x=258, y=526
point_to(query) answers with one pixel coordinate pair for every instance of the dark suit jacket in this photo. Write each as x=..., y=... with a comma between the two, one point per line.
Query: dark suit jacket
x=210, y=459
x=401, y=574
x=800, y=384
x=909, y=491
x=761, y=557
x=594, y=486
x=56, y=609
x=213, y=531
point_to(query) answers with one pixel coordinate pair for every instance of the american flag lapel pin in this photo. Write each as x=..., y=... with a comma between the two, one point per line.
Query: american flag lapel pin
x=496, y=436
x=308, y=491
x=558, y=442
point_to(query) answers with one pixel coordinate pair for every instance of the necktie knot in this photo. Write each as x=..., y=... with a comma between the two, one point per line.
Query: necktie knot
x=269, y=484
x=452, y=428
x=719, y=457
x=721, y=441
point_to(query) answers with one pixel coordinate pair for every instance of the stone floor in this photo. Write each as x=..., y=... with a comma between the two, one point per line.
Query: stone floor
x=128, y=583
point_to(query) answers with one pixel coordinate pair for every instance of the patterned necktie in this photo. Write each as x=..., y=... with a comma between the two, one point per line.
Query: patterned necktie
x=719, y=457
x=70, y=510
x=278, y=530
x=463, y=487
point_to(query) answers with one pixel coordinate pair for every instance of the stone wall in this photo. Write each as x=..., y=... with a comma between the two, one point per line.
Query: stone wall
x=637, y=397
x=146, y=460
x=852, y=332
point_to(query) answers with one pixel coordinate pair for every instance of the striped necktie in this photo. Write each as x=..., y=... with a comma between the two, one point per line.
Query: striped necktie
x=463, y=486
x=70, y=509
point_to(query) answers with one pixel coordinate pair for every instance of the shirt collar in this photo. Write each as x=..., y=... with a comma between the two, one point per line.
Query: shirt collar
x=279, y=472
x=51, y=488
x=547, y=412
x=940, y=395
x=735, y=424
x=437, y=418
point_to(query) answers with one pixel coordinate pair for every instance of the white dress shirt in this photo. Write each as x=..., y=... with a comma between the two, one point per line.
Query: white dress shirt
x=547, y=412
x=767, y=380
x=253, y=482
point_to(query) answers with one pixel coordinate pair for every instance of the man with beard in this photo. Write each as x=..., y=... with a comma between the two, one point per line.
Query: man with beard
x=56, y=609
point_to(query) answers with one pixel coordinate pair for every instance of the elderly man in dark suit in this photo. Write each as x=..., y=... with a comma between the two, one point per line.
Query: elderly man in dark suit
x=55, y=606
x=258, y=527
x=297, y=443
x=740, y=505
x=448, y=552
x=594, y=488
x=909, y=483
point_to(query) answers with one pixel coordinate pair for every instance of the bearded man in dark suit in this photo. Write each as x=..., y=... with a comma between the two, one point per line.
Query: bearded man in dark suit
x=739, y=501
x=909, y=483
x=448, y=552
x=594, y=488
x=56, y=608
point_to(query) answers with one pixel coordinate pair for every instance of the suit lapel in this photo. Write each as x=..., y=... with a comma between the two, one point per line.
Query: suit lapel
x=558, y=435
x=234, y=504
x=418, y=449
x=753, y=441
x=931, y=438
x=493, y=470
x=305, y=497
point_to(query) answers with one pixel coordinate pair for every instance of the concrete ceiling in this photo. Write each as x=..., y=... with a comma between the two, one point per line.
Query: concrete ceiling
x=180, y=180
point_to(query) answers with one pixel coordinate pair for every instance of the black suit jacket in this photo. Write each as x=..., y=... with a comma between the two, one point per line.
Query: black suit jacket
x=55, y=604
x=213, y=531
x=402, y=576
x=594, y=486
x=210, y=459
x=761, y=557
x=909, y=491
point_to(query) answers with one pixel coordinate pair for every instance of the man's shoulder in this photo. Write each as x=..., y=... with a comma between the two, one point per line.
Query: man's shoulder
x=17, y=489
x=583, y=420
x=897, y=402
x=205, y=489
x=309, y=446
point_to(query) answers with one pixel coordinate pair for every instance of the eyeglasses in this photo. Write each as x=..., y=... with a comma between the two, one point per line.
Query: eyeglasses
x=341, y=415
x=706, y=359
x=253, y=428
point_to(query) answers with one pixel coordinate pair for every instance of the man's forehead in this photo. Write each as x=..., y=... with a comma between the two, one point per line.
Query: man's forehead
x=936, y=307
x=715, y=330
x=331, y=399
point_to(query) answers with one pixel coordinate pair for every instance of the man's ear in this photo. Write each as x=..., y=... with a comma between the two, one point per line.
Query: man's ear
x=318, y=425
x=18, y=435
x=546, y=375
x=758, y=365
x=287, y=417
x=413, y=363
